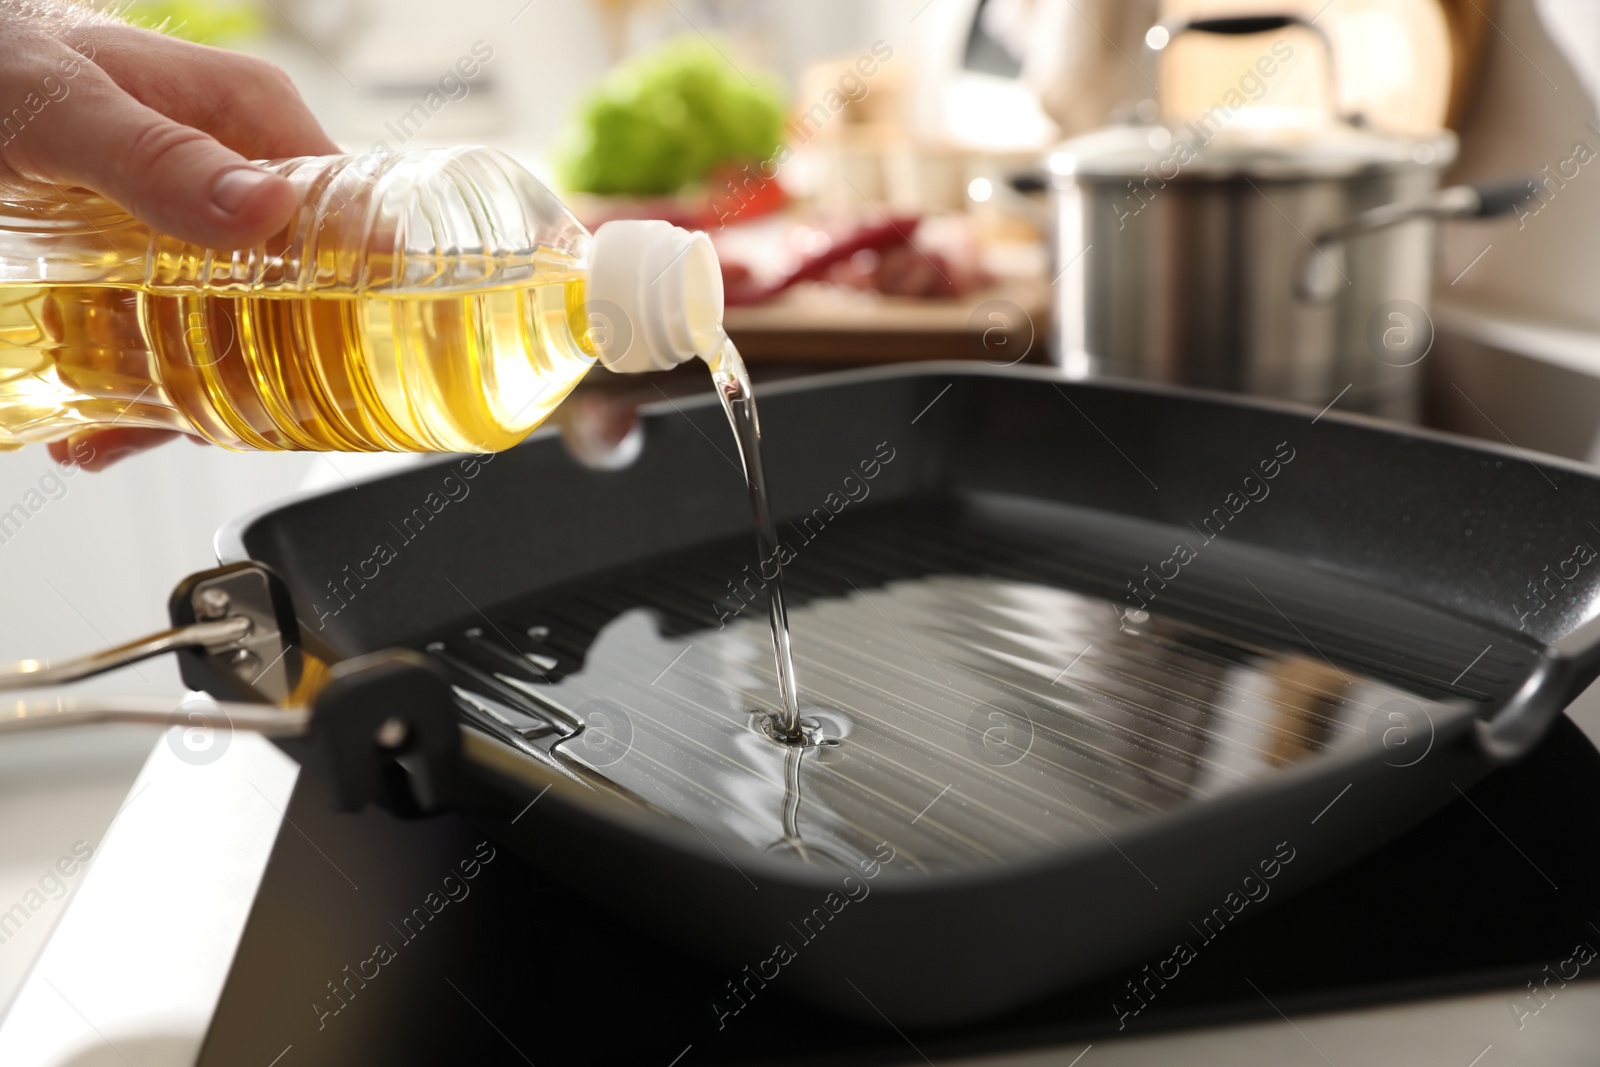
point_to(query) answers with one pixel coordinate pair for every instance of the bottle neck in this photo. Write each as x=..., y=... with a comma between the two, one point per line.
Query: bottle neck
x=657, y=290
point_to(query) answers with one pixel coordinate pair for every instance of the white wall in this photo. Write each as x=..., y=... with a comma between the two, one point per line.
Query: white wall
x=1531, y=110
x=97, y=564
x=548, y=54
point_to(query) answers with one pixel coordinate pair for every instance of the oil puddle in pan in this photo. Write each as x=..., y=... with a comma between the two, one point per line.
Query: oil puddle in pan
x=982, y=707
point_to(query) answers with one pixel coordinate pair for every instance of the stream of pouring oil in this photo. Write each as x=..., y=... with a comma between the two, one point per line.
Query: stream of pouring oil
x=739, y=402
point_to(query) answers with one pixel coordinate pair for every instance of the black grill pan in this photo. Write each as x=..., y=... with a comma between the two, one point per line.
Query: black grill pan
x=1442, y=586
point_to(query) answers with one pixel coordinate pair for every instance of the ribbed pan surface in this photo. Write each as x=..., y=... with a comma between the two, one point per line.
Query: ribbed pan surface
x=981, y=692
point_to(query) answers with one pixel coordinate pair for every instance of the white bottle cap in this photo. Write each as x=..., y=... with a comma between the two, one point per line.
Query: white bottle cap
x=654, y=295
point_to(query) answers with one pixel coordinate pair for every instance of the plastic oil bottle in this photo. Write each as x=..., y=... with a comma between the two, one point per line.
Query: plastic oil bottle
x=417, y=301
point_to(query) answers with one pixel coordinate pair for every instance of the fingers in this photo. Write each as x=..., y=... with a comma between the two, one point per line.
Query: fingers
x=137, y=125
x=99, y=449
x=246, y=103
x=173, y=177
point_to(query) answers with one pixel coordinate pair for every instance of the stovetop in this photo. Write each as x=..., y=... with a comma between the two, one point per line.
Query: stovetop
x=454, y=951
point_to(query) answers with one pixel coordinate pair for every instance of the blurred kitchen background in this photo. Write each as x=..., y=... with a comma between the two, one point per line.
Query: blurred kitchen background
x=884, y=181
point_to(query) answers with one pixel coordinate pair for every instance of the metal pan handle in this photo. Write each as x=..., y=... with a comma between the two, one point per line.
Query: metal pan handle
x=265, y=719
x=231, y=616
x=232, y=613
x=214, y=636
x=1567, y=668
x=381, y=728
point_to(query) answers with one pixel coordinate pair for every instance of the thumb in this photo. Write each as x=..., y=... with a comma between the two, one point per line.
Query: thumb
x=172, y=177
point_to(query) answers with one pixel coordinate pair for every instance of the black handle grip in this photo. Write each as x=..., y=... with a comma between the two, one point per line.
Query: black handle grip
x=1028, y=182
x=353, y=709
x=1503, y=196
x=1240, y=25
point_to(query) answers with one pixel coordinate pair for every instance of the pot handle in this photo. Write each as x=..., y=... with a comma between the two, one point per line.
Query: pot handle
x=1160, y=35
x=1320, y=277
x=1243, y=25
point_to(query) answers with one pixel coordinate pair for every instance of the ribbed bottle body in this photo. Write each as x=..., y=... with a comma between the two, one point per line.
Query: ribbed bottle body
x=423, y=301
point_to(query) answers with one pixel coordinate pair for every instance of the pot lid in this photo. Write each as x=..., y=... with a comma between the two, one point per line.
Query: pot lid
x=1256, y=142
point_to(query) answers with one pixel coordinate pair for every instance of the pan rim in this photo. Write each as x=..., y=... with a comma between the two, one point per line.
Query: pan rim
x=229, y=541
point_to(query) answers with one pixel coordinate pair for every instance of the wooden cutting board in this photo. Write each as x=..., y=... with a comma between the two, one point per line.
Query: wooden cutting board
x=829, y=325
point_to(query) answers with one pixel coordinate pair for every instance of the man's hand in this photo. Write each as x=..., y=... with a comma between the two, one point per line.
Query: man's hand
x=163, y=127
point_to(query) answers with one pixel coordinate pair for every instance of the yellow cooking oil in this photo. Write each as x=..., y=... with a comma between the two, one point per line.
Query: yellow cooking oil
x=470, y=370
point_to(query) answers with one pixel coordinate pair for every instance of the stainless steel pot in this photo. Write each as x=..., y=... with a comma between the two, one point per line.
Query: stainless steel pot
x=1287, y=256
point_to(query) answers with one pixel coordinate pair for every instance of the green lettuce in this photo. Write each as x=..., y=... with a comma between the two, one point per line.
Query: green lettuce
x=663, y=120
